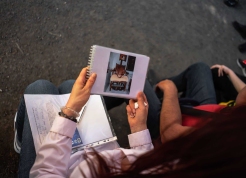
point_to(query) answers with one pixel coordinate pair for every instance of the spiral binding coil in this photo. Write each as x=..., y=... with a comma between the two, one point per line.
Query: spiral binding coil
x=90, y=61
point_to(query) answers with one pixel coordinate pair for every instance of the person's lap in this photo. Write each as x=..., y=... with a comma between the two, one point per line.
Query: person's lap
x=24, y=134
x=196, y=83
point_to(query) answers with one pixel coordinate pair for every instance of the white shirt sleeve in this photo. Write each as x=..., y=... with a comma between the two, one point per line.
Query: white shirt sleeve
x=53, y=157
x=54, y=154
x=140, y=140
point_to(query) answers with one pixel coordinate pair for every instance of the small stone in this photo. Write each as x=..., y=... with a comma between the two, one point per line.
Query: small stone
x=1, y=90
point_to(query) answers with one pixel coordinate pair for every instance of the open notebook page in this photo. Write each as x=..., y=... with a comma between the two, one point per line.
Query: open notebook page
x=42, y=110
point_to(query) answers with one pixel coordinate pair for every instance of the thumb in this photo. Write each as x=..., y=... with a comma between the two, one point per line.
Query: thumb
x=140, y=98
x=91, y=81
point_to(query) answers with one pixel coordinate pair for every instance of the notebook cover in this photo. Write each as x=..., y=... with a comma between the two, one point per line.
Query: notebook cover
x=104, y=60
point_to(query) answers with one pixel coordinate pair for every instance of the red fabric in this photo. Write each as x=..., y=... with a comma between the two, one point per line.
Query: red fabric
x=194, y=121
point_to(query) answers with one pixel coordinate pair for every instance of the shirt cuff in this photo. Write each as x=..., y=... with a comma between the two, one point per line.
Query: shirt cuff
x=139, y=138
x=63, y=126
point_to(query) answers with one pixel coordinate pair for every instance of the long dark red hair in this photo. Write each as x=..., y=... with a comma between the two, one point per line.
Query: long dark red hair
x=218, y=149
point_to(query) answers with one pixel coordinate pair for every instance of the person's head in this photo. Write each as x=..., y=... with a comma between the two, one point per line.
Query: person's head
x=218, y=149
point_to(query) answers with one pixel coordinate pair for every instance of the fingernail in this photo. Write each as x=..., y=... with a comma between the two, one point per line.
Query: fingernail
x=94, y=75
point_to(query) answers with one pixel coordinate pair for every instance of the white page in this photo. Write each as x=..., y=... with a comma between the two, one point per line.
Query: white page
x=42, y=110
x=92, y=126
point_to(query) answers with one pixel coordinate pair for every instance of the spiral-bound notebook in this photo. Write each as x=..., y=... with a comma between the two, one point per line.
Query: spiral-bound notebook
x=119, y=73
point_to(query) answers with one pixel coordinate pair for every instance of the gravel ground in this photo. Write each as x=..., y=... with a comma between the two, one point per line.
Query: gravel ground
x=41, y=39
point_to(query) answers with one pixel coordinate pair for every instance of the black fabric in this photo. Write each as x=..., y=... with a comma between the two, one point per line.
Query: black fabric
x=224, y=88
x=196, y=112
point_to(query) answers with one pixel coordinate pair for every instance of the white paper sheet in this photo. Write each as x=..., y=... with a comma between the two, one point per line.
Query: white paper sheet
x=42, y=109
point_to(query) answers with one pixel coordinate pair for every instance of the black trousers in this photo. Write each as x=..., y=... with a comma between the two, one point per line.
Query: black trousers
x=224, y=88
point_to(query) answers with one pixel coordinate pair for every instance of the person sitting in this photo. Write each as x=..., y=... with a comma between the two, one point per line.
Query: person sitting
x=199, y=83
x=54, y=157
x=184, y=151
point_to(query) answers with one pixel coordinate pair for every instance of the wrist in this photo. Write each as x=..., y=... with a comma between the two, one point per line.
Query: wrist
x=67, y=117
x=69, y=111
x=139, y=128
x=73, y=106
x=230, y=72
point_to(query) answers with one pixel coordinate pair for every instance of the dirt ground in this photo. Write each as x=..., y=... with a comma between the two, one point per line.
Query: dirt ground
x=42, y=39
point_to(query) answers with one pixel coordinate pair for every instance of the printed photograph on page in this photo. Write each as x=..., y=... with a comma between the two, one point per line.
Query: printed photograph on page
x=119, y=73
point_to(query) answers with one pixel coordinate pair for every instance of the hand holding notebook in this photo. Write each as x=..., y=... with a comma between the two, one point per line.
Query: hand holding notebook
x=80, y=92
x=137, y=117
x=94, y=128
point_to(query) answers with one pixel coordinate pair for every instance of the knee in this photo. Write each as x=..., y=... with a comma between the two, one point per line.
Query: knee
x=66, y=87
x=201, y=66
x=67, y=83
x=41, y=87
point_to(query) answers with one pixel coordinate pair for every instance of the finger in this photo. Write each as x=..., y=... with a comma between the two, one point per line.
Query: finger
x=82, y=76
x=132, y=105
x=221, y=71
x=141, y=100
x=91, y=81
x=145, y=100
x=144, y=97
x=129, y=111
x=214, y=66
